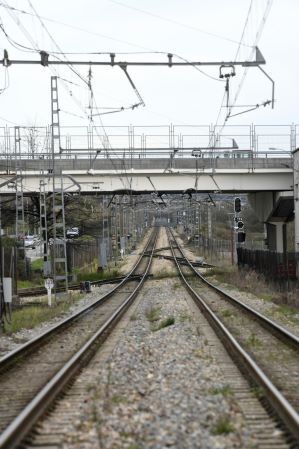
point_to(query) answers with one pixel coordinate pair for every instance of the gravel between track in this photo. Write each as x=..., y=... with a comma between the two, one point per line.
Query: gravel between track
x=160, y=388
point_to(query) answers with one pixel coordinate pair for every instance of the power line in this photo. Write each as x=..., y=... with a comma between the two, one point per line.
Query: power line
x=94, y=33
x=175, y=22
x=244, y=28
x=257, y=38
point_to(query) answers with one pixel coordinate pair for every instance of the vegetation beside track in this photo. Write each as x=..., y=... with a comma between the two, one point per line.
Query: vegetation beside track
x=32, y=315
x=254, y=283
x=35, y=314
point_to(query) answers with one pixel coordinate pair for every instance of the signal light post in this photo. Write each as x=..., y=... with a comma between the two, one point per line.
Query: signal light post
x=237, y=227
x=237, y=205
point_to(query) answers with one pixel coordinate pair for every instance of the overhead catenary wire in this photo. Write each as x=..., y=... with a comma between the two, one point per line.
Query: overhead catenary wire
x=208, y=33
x=257, y=38
x=75, y=27
x=175, y=22
x=244, y=28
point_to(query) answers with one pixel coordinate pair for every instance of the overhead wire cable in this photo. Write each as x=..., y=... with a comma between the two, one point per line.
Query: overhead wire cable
x=22, y=28
x=257, y=38
x=75, y=27
x=197, y=68
x=244, y=29
x=175, y=22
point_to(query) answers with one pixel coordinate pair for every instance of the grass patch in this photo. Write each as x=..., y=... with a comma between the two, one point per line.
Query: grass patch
x=257, y=391
x=225, y=391
x=222, y=426
x=30, y=284
x=29, y=317
x=118, y=399
x=266, y=296
x=288, y=312
x=176, y=285
x=221, y=274
x=37, y=264
x=153, y=313
x=202, y=354
x=184, y=316
x=227, y=313
x=164, y=323
x=246, y=280
x=97, y=276
x=253, y=341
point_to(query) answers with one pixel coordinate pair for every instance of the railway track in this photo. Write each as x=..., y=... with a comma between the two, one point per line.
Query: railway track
x=266, y=352
x=32, y=376
x=39, y=291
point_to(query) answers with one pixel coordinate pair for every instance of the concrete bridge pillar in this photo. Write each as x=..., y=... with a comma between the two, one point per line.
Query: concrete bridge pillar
x=274, y=209
x=296, y=198
x=277, y=237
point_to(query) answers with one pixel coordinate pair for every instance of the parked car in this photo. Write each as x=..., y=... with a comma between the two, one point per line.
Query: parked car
x=72, y=233
x=29, y=241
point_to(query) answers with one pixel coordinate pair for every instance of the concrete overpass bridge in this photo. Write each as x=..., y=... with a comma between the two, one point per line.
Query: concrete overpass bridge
x=202, y=173
x=171, y=159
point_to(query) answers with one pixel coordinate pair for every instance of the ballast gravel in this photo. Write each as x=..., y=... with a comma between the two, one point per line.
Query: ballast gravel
x=161, y=386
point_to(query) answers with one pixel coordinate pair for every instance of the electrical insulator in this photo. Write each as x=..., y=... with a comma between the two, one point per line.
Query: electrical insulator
x=237, y=204
x=44, y=58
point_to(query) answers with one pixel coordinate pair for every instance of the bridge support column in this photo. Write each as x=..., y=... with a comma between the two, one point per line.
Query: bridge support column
x=277, y=237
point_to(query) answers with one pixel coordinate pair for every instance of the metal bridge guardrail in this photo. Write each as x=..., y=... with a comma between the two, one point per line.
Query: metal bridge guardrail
x=152, y=139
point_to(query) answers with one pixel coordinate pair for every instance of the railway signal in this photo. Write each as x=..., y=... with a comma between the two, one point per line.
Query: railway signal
x=241, y=237
x=237, y=205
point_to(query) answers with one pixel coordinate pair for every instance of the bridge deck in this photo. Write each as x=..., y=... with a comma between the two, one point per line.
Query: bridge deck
x=155, y=175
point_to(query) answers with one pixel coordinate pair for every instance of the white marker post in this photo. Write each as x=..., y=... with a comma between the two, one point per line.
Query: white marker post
x=49, y=284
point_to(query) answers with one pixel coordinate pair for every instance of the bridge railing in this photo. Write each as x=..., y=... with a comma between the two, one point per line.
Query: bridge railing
x=242, y=141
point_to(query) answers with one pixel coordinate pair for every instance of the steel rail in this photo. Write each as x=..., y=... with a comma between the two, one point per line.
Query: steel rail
x=18, y=429
x=270, y=325
x=31, y=344
x=282, y=407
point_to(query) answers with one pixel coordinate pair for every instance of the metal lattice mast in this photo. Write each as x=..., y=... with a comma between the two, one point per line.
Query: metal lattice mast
x=105, y=223
x=59, y=257
x=113, y=231
x=44, y=227
x=19, y=184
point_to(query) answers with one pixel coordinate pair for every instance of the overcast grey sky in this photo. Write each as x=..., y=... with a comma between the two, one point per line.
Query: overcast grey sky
x=197, y=30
